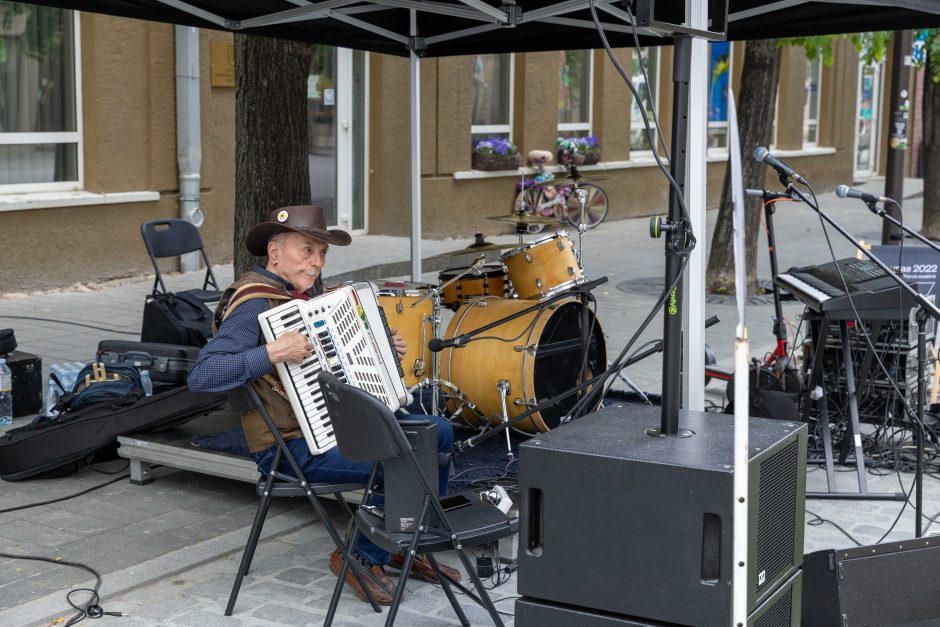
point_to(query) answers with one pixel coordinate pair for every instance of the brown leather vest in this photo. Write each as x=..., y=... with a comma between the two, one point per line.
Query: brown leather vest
x=269, y=386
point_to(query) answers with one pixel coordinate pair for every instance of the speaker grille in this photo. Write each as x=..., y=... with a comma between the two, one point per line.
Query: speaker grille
x=776, y=515
x=779, y=614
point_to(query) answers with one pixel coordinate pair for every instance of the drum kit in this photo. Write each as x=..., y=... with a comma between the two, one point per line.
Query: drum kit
x=526, y=333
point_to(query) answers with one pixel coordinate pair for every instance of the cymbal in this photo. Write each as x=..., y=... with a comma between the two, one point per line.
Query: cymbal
x=525, y=218
x=478, y=246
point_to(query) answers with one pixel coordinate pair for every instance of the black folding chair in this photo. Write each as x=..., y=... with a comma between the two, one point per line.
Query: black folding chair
x=367, y=430
x=276, y=483
x=171, y=238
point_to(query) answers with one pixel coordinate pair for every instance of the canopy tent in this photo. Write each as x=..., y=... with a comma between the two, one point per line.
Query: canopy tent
x=458, y=27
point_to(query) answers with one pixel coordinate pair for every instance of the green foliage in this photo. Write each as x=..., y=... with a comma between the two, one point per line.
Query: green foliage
x=931, y=49
x=871, y=47
x=45, y=27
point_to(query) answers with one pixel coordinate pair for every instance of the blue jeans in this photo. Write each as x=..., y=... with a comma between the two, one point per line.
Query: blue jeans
x=331, y=467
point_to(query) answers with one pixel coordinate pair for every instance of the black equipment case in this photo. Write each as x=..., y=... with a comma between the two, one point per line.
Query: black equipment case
x=167, y=363
x=64, y=443
x=27, y=382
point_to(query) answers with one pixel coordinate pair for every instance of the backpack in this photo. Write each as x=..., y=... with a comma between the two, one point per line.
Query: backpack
x=122, y=381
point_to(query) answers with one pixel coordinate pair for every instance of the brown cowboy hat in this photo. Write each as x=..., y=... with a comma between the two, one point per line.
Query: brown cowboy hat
x=304, y=219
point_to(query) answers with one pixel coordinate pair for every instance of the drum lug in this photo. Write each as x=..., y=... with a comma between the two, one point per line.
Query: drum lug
x=560, y=244
x=570, y=271
x=528, y=258
x=531, y=349
x=518, y=402
x=399, y=308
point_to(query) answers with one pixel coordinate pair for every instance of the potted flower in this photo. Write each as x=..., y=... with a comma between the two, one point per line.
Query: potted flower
x=580, y=150
x=496, y=153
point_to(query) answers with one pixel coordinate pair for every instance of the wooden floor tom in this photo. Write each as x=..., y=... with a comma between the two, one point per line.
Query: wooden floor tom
x=413, y=320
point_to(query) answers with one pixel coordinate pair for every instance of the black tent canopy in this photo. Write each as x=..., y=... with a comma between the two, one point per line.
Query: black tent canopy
x=459, y=27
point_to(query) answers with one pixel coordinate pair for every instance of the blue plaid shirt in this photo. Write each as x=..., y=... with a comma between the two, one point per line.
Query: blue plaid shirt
x=236, y=353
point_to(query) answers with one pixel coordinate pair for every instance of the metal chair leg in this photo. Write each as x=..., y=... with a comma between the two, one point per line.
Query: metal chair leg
x=445, y=584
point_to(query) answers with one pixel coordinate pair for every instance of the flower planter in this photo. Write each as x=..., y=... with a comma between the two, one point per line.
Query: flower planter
x=492, y=162
x=590, y=158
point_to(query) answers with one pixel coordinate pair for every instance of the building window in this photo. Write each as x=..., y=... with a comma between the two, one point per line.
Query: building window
x=811, y=105
x=574, y=92
x=492, y=96
x=648, y=90
x=718, y=94
x=40, y=125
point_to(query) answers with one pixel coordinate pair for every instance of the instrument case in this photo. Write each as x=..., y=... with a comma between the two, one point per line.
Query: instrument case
x=61, y=445
x=167, y=363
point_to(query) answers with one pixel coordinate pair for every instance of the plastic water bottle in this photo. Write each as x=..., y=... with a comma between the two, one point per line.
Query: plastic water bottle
x=145, y=382
x=6, y=393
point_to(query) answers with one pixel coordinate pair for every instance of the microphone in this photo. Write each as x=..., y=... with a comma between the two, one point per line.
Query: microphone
x=762, y=154
x=436, y=345
x=768, y=195
x=844, y=191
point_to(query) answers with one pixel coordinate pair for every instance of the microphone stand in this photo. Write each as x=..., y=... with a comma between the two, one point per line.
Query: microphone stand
x=921, y=317
x=926, y=308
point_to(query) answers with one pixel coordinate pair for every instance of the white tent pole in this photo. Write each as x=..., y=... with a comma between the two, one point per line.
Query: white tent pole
x=693, y=314
x=415, y=155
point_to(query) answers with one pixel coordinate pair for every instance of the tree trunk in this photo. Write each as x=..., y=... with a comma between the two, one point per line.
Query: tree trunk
x=931, y=151
x=755, y=107
x=272, y=169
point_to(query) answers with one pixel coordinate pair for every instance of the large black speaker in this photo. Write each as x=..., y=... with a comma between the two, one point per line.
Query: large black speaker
x=883, y=584
x=781, y=609
x=618, y=521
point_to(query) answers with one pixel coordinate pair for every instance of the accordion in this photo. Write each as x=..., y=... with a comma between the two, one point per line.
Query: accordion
x=351, y=340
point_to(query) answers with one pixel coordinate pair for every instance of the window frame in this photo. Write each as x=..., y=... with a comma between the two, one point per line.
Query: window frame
x=58, y=137
x=807, y=120
x=578, y=127
x=650, y=71
x=500, y=129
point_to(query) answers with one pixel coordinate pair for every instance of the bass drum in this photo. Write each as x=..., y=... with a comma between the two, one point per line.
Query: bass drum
x=539, y=354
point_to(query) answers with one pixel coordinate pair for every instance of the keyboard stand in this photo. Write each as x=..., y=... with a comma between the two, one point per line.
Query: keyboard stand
x=821, y=323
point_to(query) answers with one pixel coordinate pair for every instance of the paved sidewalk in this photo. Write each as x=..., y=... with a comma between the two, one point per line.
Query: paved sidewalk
x=168, y=551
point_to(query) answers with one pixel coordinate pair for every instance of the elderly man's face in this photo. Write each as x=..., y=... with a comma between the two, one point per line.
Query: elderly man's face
x=297, y=258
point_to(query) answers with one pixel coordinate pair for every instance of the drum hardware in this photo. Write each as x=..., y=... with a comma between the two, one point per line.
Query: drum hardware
x=479, y=245
x=503, y=387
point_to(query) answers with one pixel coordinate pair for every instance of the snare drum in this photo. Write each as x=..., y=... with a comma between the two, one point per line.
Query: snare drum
x=539, y=354
x=543, y=267
x=490, y=282
x=413, y=320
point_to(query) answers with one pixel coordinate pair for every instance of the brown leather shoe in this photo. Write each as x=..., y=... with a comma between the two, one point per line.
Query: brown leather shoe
x=422, y=568
x=381, y=596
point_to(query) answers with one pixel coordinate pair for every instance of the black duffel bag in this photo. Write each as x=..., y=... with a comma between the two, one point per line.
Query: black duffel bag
x=176, y=319
x=61, y=445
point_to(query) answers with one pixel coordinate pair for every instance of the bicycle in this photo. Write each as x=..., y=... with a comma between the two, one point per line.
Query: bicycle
x=538, y=197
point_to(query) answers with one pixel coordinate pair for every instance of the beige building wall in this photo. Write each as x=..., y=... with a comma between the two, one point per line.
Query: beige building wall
x=129, y=114
x=130, y=135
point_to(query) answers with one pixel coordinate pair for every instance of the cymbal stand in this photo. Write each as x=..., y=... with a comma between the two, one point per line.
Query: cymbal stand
x=437, y=304
x=582, y=227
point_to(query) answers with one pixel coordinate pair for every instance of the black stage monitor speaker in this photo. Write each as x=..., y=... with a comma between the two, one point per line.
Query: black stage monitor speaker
x=618, y=521
x=883, y=584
